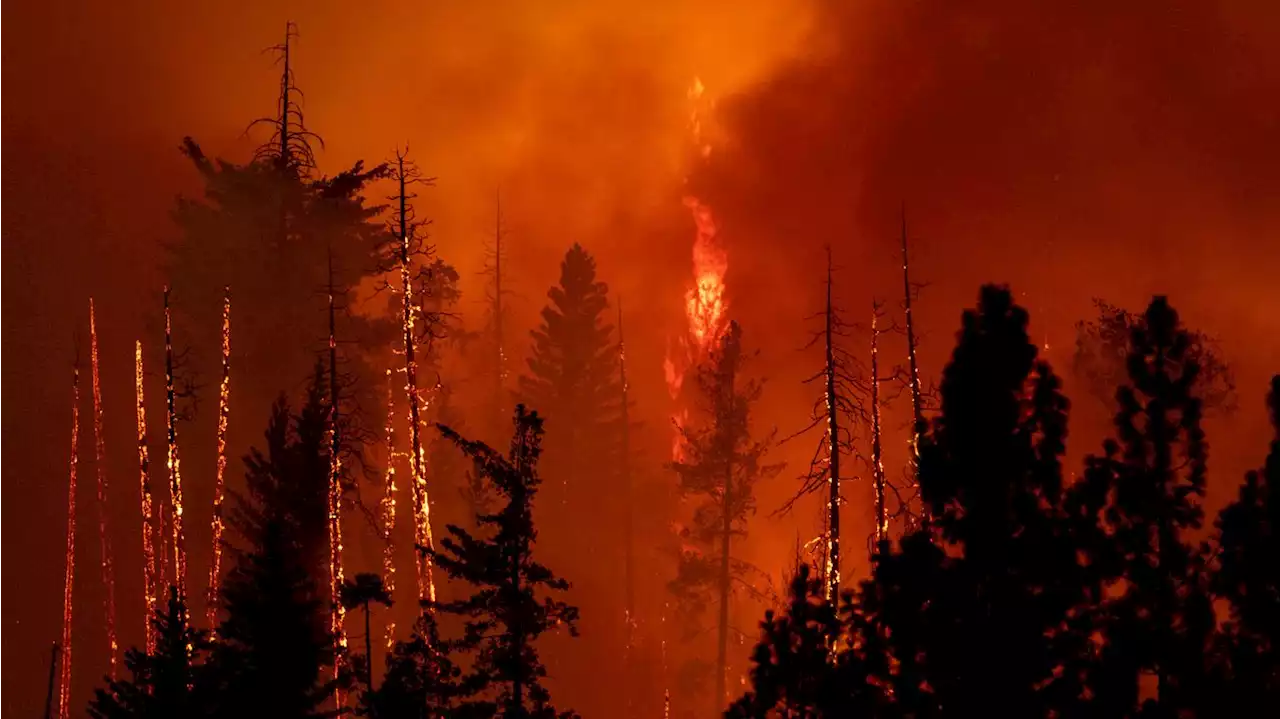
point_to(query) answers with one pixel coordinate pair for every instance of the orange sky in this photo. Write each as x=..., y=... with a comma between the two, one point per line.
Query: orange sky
x=1072, y=149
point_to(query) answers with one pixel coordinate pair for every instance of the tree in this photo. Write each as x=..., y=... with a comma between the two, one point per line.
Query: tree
x=1102, y=346
x=1160, y=620
x=510, y=607
x=360, y=592
x=421, y=681
x=572, y=373
x=721, y=466
x=275, y=647
x=973, y=606
x=166, y=683
x=1247, y=575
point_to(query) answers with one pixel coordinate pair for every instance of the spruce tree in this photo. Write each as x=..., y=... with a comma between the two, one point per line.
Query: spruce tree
x=572, y=377
x=165, y=684
x=1247, y=575
x=719, y=471
x=1158, y=624
x=275, y=652
x=512, y=604
x=974, y=607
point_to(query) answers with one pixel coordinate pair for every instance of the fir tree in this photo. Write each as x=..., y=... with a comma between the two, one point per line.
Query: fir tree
x=421, y=681
x=1159, y=623
x=721, y=466
x=1248, y=577
x=165, y=684
x=275, y=651
x=511, y=606
x=572, y=374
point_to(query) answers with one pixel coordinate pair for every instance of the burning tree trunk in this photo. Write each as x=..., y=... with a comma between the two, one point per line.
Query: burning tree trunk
x=877, y=463
x=224, y=408
x=69, y=577
x=727, y=369
x=497, y=410
x=338, y=612
x=149, y=578
x=389, y=514
x=913, y=367
x=175, y=471
x=628, y=529
x=100, y=467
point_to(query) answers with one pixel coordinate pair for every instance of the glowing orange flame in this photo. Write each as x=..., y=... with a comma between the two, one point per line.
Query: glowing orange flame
x=224, y=409
x=389, y=512
x=338, y=613
x=100, y=463
x=68, y=582
x=150, y=581
x=417, y=460
x=877, y=462
x=175, y=471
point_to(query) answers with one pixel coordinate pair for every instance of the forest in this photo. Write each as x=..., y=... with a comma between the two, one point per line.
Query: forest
x=419, y=510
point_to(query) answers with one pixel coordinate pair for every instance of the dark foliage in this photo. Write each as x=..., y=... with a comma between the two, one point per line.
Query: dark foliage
x=511, y=605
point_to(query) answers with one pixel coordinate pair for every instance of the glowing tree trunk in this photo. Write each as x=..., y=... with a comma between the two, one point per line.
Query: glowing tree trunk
x=163, y=579
x=150, y=581
x=224, y=408
x=100, y=465
x=917, y=413
x=628, y=556
x=338, y=612
x=877, y=463
x=389, y=513
x=175, y=469
x=69, y=577
x=833, y=449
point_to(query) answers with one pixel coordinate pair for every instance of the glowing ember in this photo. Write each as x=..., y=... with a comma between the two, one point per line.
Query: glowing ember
x=150, y=581
x=338, y=613
x=389, y=512
x=224, y=408
x=877, y=462
x=162, y=568
x=68, y=582
x=417, y=461
x=100, y=464
x=175, y=472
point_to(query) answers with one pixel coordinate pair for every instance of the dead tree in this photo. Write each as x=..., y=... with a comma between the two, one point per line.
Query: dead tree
x=913, y=367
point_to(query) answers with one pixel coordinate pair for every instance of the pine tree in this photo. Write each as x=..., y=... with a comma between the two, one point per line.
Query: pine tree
x=1160, y=622
x=721, y=467
x=973, y=606
x=572, y=375
x=421, y=681
x=1247, y=575
x=511, y=605
x=275, y=651
x=165, y=684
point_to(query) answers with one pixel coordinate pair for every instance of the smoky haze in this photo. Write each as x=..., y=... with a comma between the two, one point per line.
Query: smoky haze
x=1072, y=149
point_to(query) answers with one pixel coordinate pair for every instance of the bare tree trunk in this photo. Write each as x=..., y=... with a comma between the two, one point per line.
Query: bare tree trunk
x=917, y=413
x=833, y=451
x=175, y=471
x=100, y=467
x=877, y=462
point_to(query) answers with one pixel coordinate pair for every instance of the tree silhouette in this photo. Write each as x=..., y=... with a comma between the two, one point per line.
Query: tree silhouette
x=721, y=467
x=360, y=592
x=421, y=681
x=1248, y=577
x=572, y=374
x=274, y=647
x=510, y=607
x=167, y=683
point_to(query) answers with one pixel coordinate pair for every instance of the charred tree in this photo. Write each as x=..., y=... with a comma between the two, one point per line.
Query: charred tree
x=913, y=368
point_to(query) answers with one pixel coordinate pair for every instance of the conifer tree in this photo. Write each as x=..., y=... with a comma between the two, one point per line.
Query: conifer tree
x=1247, y=575
x=1159, y=624
x=422, y=681
x=167, y=683
x=275, y=651
x=512, y=604
x=721, y=467
x=972, y=606
x=360, y=592
x=572, y=374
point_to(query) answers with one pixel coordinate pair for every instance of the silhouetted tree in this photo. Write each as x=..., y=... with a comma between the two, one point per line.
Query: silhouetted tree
x=1102, y=346
x=165, y=684
x=421, y=681
x=510, y=607
x=973, y=606
x=572, y=375
x=1159, y=620
x=721, y=466
x=360, y=592
x=275, y=649
x=1248, y=577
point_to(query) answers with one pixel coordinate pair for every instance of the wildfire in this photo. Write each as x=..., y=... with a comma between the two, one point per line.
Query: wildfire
x=175, y=472
x=64, y=686
x=389, y=511
x=224, y=408
x=100, y=463
x=149, y=578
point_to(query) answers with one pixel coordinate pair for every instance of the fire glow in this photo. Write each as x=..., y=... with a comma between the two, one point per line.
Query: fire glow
x=150, y=581
x=100, y=464
x=224, y=408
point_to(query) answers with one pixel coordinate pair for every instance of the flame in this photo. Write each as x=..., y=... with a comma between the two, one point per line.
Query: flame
x=144, y=477
x=877, y=462
x=389, y=512
x=175, y=470
x=224, y=409
x=64, y=686
x=338, y=612
x=417, y=460
x=100, y=464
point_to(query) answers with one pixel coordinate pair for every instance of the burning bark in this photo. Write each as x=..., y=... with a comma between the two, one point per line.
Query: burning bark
x=68, y=582
x=100, y=465
x=224, y=408
x=149, y=578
